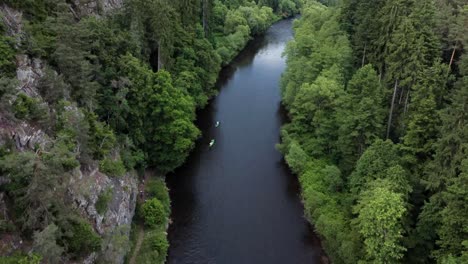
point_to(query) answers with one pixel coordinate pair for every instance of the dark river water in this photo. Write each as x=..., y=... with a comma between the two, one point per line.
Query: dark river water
x=238, y=202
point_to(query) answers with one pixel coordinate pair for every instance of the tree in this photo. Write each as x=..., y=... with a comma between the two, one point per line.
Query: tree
x=360, y=115
x=46, y=245
x=153, y=213
x=379, y=220
x=445, y=178
x=161, y=116
x=372, y=165
x=313, y=115
x=423, y=120
x=454, y=217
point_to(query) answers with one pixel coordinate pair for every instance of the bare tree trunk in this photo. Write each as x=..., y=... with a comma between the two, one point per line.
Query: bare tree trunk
x=364, y=56
x=452, y=58
x=389, y=124
x=406, y=102
x=401, y=96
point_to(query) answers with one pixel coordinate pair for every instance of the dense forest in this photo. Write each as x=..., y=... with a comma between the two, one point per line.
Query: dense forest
x=377, y=94
x=117, y=93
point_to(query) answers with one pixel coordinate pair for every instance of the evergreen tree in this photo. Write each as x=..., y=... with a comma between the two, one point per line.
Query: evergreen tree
x=360, y=115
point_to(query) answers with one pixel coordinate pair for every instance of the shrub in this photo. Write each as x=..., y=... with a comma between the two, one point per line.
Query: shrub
x=7, y=55
x=153, y=213
x=112, y=167
x=21, y=259
x=103, y=201
x=29, y=108
x=157, y=188
x=83, y=239
x=155, y=246
x=159, y=243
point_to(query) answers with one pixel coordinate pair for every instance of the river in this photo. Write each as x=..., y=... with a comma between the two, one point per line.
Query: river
x=238, y=202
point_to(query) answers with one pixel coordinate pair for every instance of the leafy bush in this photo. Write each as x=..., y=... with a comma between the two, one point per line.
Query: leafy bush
x=21, y=259
x=83, y=239
x=112, y=167
x=45, y=243
x=159, y=243
x=28, y=108
x=7, y=55
x=103, y=201
x=153, y=213
x=157, y=188
x=155, y=246
x=101, y=137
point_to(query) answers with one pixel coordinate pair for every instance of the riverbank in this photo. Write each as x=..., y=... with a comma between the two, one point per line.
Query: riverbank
x=149, y=233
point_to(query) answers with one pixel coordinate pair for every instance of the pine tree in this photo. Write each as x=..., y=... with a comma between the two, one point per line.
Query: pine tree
x=360, y=115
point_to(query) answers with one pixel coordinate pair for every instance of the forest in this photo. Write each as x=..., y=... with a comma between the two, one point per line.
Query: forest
x=118, y=94
x=377, y=95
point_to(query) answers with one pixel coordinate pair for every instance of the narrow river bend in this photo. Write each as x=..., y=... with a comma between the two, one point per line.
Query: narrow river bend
x=238, y=202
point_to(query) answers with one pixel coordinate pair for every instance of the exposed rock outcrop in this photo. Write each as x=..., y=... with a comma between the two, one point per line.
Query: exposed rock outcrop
x=29, y=72
x=13, y=21
x=86, y=185
x=93, y=7
x=86, y=188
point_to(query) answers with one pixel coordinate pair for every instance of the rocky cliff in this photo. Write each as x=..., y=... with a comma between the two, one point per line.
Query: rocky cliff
x=89, y=7
x=86, y=185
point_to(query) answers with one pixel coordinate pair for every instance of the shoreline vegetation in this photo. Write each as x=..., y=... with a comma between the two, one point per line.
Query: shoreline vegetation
x=376, y=93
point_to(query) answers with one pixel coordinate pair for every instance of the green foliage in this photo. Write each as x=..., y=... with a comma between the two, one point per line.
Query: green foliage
x=155, y=246
x=101, y=137
x=83, y=239
x=319, y=44
x=379, y=219
x=313, y=113
x=115, y=244
x=119, y=90
x=21, y=259
x=296, y=158
x=156, y=187
x=235, y=24
x=45, y=243
x=356, y=186
x=373, y=164
x=28, y=108
x=360, y=115
x=112, y=167
x=103, y=201
x=7, y=55
x=38, y=183
x=288, y=8
x=153, y=213
x=161, y=120
x=159, y=243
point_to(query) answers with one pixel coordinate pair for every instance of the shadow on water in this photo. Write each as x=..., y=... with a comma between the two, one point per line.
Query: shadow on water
x=238, y=202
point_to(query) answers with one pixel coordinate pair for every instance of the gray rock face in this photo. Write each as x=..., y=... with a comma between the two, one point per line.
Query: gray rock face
x=109, y=5
x=13, y=22
x=94, y=7
x=86, y=187
x=29, y=72
x=87, y=184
